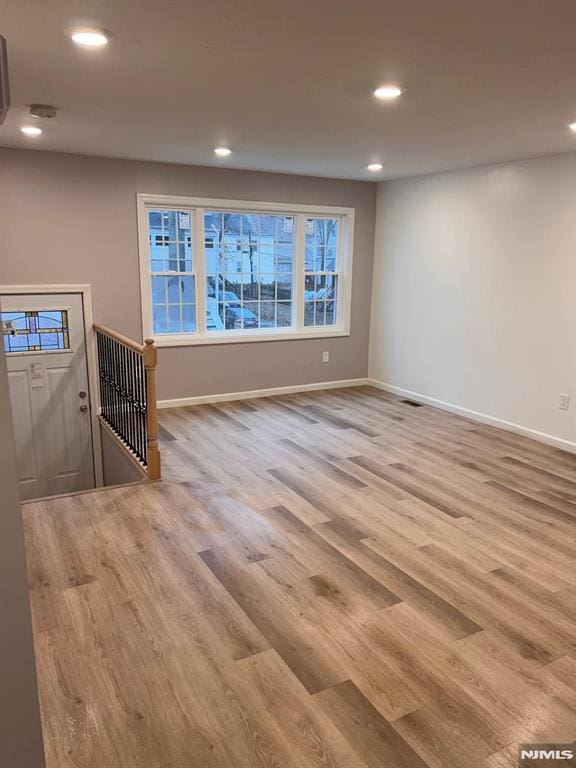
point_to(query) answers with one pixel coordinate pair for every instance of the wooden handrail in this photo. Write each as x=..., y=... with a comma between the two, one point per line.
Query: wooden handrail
x=150, y=360
x=120, y=338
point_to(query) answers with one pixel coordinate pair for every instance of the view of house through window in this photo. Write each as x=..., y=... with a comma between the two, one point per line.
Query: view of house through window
x=321, y=292
x=173, y=281
x=244, y=271
x=249, y=262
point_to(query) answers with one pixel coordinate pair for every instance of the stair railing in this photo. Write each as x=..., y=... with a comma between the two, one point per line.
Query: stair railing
x=127, y=375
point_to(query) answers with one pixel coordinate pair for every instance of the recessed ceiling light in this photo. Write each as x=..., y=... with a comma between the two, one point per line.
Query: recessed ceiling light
x=222, y=151
x=31, y=130
x=374, y=167
x=90, y=37
x=388, y=92
x=572, y=127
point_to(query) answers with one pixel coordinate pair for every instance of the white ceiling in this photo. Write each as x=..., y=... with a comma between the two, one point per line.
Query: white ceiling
x=287, y=85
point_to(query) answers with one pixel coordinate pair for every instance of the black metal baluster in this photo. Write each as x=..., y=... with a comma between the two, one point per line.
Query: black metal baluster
x=132, y=399
x=102, y=375
x=113, y=371
x=102, y=372
x=122, y=382
x=142, y=397
x=136, y=402
x=121, y=349
x=104, y=380
x=99, y=351
x=119, y=372
x=137, y=377
x=122, y=390
x=109, y=382
x=129, y=405
x=140, y=407
x=144, y=409
x=110, y=414
x=122, y=372
x=106, y=369
x=139, y=399
x=128, y=398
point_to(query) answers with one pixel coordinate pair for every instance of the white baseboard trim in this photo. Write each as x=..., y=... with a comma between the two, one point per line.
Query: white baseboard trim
x=483, y=418
x=253, y=393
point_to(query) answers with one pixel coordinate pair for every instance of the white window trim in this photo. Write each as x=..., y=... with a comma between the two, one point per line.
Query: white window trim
x=344, y=256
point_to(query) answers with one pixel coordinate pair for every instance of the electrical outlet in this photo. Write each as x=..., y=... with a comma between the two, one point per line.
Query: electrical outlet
x=325, y=357
x=564, y=402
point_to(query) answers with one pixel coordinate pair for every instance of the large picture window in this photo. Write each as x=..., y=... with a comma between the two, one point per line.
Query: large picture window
x=215, y=271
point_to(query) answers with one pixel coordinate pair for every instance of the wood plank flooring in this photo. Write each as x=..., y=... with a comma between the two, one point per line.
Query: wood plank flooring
x=334, y=579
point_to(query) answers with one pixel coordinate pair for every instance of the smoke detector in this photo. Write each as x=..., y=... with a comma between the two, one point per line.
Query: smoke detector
x=43, y=110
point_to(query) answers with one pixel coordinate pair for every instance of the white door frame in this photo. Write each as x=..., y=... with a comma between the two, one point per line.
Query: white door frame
x=91, y=357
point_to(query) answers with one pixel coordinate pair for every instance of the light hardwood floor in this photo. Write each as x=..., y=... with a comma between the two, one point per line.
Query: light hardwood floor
x=330, y=579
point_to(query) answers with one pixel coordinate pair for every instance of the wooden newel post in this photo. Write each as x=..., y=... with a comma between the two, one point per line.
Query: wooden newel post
x=153, y=450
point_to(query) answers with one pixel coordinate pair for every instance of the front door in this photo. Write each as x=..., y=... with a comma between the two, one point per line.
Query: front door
x=45, y=347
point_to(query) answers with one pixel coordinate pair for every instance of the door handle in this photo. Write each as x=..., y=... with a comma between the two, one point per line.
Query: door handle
x=83, y=408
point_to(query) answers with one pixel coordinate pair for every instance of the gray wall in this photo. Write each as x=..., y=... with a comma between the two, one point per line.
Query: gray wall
x=474, y=295
x=69, y=218
x=20, y=734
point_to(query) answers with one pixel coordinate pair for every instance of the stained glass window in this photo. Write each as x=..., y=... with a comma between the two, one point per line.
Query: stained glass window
x=37, y=331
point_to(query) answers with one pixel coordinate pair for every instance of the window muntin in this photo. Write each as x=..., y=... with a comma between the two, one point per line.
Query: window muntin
x=173, y=281
x=259, y=272
x=43, y=330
